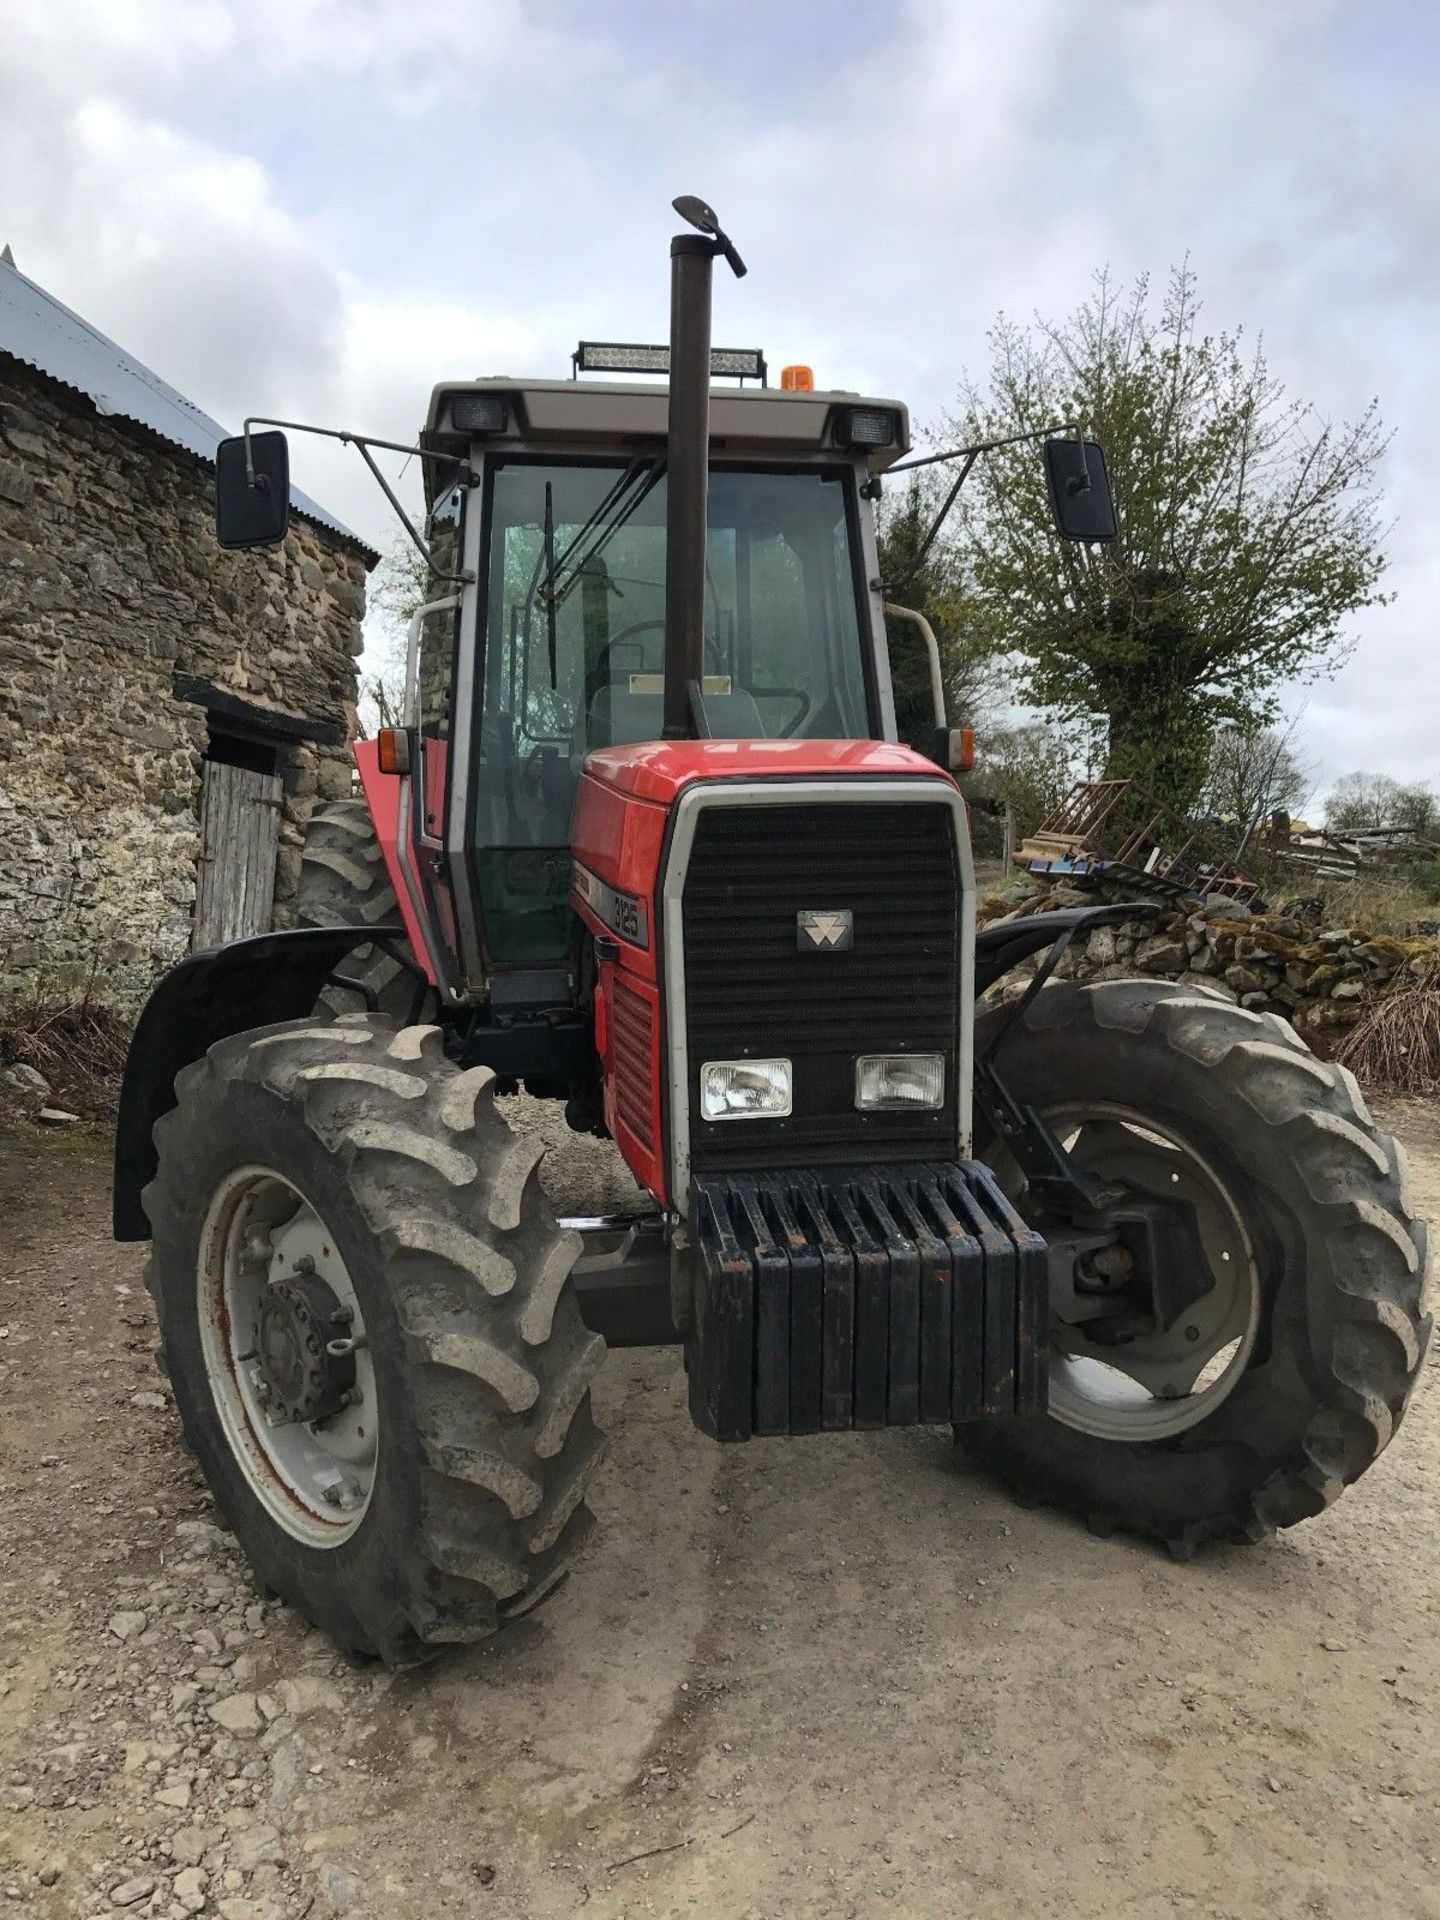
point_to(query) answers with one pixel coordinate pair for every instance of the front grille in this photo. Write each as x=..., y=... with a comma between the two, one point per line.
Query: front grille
x=751, y=991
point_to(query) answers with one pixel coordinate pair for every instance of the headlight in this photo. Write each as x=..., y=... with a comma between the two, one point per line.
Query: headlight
x=744, y=1089
x=900, y=1080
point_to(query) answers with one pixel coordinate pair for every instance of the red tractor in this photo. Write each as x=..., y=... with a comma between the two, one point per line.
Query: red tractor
x=647, y=845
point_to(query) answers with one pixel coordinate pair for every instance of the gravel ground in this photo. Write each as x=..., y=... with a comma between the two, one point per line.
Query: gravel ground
x=837, y=1676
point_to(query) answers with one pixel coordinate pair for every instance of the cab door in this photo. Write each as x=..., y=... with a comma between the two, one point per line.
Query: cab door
x=430, y=672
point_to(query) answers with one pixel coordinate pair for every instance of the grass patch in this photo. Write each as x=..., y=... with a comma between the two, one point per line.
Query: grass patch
x=80, y=1049
x=1379, y=899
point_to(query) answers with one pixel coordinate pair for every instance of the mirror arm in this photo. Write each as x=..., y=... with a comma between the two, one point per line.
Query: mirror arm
x=972, y=454
x=968, y=456
x=364, y=444
x=1068, y=431
x=458, y=579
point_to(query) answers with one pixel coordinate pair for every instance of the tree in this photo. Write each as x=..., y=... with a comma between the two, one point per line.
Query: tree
x=381, y=701
x=1249, y=530
x=1253, y=772
x=1363, y=800
x=1030, y=767
x=401, y=584
x=402, y=581
x=934, y=586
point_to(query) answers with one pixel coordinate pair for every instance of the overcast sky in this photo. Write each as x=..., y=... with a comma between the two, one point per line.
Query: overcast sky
x=319, y=208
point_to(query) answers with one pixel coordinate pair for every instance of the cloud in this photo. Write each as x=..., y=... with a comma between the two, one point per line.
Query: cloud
x=322, y=207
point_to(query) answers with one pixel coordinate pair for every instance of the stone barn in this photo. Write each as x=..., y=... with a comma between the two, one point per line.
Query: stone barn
x=168, y=711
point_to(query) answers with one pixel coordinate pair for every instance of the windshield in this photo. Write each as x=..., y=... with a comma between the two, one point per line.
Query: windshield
x=574, y=651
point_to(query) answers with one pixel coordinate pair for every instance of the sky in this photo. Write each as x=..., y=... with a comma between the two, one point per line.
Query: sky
x=319, y=209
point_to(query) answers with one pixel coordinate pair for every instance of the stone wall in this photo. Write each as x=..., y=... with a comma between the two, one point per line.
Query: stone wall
x=113, y=593
x=1319, y=977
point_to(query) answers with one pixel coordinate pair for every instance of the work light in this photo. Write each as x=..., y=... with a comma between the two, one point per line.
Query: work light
x=618, y=356
x=479, y=412
x=868, y=427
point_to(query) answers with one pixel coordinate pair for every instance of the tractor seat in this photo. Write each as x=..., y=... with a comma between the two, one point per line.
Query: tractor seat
x=618, y=717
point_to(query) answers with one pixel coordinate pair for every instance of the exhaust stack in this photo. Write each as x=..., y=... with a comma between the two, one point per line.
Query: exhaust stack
x=692, y=257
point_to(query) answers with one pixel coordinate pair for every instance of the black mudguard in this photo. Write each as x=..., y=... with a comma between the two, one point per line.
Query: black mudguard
x=224, y=990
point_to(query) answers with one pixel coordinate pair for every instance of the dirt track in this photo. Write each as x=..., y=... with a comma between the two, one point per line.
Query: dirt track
x=827, y=1677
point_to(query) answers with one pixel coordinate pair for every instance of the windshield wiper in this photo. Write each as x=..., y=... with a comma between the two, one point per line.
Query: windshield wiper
x=632, y=487
x=550, y=565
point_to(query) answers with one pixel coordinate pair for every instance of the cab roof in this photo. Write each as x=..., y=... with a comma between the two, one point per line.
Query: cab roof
x=770, y=420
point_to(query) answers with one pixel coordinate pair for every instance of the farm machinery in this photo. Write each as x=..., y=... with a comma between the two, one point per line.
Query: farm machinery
x=647, y=847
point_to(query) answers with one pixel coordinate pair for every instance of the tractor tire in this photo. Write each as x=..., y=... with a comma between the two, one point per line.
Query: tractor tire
x=1336, y=1278
x=343, y=883
x=446, y=1496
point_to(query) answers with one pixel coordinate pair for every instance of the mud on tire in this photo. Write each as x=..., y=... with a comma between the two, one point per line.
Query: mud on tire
x=482, y=1361
x=1340, y=1264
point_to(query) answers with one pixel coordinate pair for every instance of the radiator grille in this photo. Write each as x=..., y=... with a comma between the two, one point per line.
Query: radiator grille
x=751, y=990
x=632, y=1043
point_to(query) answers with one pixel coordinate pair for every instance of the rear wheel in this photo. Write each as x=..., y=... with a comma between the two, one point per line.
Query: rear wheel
x=343, y=883
x=1265, y=1359
x=367, y=1316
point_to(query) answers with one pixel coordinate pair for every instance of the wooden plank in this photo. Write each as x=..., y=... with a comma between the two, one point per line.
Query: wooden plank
x=239, y=838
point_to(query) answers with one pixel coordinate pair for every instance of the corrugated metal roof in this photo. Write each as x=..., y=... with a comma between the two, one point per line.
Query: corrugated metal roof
x=40, y=330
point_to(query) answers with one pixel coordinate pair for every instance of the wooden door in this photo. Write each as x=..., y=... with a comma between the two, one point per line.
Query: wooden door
x=239, y=833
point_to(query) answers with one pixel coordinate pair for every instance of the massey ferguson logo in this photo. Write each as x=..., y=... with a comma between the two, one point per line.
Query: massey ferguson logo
x=830, y=930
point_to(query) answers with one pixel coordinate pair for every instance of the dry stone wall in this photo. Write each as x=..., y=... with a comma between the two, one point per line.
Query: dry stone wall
x=1319, y=977
x=113, y=595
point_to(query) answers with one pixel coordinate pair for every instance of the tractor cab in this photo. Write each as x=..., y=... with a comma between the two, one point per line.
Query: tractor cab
x=553, y=502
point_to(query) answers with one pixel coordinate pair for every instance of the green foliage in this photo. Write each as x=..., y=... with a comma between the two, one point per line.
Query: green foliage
x=934, y=586
x=401, y=582
x=1031, y=768
x=1379, y=899
x=1251, y=773
x=1249, y=530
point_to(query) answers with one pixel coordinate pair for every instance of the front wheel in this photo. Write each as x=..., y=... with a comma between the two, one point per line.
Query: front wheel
x=1262, y=1359
x=369, y=1323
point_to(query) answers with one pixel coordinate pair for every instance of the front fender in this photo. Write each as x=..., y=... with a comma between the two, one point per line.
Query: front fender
x=224, y=990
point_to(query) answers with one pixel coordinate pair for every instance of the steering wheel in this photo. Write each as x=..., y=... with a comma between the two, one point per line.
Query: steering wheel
x=601, y=672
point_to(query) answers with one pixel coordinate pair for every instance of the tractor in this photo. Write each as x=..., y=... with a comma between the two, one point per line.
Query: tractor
x=648, y=845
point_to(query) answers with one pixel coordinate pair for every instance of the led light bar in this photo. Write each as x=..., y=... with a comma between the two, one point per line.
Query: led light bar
x=618, y=356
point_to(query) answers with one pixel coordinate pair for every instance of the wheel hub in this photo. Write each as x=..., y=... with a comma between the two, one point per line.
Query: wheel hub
x=305, y=1362
x=1158, y=1326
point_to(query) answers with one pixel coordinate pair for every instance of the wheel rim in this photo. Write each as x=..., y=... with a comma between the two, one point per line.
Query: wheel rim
x=1163, y=1384
x=314, y=1477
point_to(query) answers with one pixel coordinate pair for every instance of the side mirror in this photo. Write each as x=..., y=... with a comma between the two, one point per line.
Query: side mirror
x=252, y=512
x=1080, y=490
